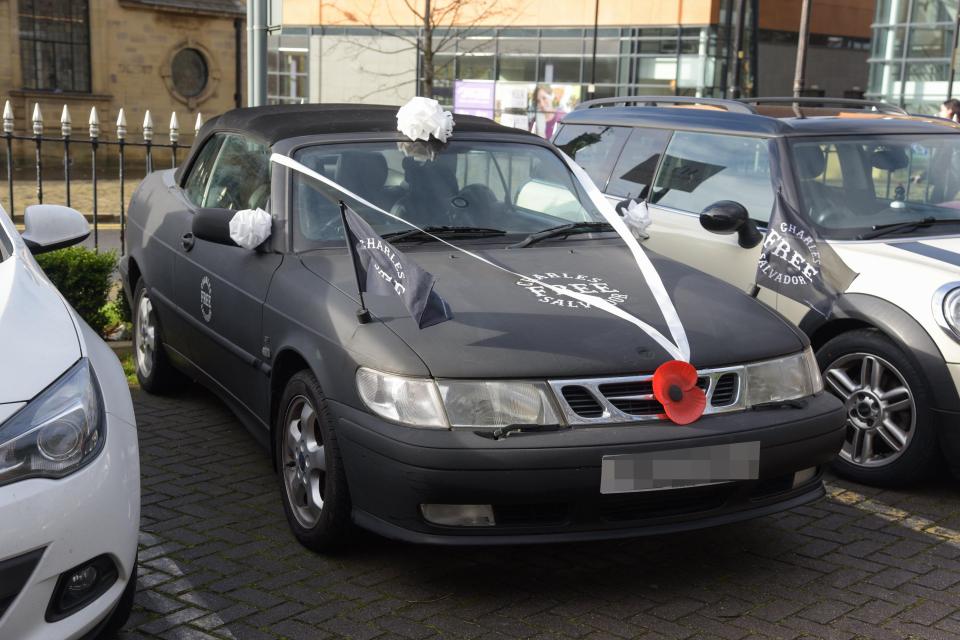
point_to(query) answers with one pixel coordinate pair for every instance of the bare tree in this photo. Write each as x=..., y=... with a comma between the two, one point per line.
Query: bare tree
x=440, y=23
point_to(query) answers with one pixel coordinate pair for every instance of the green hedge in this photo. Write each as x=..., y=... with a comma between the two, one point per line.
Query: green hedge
x=83, y=277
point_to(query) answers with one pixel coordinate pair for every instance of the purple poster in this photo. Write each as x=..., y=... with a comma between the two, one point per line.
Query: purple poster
x=474, y=97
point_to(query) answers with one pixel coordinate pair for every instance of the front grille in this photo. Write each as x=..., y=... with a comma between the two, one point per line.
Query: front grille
x=582, y=402
x=662, y=504
x=628, y=399
x=725, y=391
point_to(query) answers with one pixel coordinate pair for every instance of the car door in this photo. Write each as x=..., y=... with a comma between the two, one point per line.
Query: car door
x=697, y=170
x=221, y=288
x=163, y=244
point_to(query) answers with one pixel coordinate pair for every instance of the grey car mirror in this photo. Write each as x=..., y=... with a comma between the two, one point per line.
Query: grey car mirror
x=213, y=225
x=52, y=226
x=725, y=217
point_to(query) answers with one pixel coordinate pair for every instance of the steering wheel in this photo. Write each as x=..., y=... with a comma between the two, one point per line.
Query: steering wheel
x=473, y=206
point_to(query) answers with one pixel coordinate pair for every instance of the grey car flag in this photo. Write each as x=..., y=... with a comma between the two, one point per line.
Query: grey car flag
x=382, y=269
x=795, y=261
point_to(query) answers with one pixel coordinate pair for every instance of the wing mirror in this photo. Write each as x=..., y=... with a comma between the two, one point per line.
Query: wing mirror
x=725, y=217
x=213, y=225
x=48, y=227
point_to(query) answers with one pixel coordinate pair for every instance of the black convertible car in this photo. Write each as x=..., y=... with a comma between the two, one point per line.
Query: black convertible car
x=526, y=417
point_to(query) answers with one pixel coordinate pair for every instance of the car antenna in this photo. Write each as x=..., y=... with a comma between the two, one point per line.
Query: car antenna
x=363, y=314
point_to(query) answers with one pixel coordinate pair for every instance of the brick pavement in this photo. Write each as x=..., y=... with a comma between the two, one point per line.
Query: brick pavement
x=217, y=561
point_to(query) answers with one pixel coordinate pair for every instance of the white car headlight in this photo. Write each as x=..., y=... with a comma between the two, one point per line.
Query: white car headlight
x=789, y=378
x=414, y=402
x=58, y=432
x=423, y=402
x=496, y=404
x=947, y=309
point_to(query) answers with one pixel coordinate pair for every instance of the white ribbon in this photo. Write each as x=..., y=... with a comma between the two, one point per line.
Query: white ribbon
x=678, y=351
x=649, y=272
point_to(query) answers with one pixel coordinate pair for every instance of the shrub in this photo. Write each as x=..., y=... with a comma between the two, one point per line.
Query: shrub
x=83, y=277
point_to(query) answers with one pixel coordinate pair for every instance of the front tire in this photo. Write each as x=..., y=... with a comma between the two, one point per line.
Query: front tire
x=891, y=438
x=313, y=483
x=154, y=371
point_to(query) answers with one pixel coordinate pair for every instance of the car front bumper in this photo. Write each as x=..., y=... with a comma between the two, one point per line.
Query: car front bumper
x=66, y=522
x=545, y=486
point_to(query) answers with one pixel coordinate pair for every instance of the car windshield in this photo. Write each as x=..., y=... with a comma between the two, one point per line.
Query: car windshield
x=854, y=186
x=498, y=188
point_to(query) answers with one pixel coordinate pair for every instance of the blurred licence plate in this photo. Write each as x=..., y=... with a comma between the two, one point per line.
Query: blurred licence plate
x=680, y=468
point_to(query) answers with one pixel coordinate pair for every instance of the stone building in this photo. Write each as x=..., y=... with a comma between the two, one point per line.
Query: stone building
x=162, y=55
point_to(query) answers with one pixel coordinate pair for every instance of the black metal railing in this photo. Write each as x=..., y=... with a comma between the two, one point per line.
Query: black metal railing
x=95, y=141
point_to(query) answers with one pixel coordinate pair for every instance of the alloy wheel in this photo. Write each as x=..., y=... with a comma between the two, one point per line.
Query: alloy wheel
x=880, y=408
x=304, y=461
x=145, y=336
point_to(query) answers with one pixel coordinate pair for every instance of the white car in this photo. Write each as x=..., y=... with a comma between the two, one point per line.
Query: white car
x=69, y=465
x=881, y=187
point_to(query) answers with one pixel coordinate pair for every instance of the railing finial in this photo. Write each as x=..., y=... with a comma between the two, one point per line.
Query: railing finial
x=37, y=120
x=94, y=123
x=66, y=124
x=198, y=123
x=147, y=126
x=7, y=118
x=174, y=128
x=121, y=125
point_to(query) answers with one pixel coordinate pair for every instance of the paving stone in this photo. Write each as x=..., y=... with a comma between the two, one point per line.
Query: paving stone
x=218, y=562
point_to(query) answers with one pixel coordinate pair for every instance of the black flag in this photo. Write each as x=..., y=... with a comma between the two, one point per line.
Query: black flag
x=795, y=260
x=381, y=269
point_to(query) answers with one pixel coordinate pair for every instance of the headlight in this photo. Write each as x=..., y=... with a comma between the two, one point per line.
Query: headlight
x=946, y=308
x=496, y=404
x=796, y=376
x=423, y=402
x=58, y=432
x=411, y=401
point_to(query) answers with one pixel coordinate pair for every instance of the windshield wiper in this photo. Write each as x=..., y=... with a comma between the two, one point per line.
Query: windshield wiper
x=563, y=230
x=444, y=231
x=894, y=227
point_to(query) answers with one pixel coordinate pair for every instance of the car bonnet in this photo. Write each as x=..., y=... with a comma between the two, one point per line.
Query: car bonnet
x=38, y=340
x=505, y=328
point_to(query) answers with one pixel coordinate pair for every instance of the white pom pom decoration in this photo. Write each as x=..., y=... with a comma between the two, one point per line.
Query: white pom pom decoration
x=637, y=217
x=422, y=117
x=250, y=227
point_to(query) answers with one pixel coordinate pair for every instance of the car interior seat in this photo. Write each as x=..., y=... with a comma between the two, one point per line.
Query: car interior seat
x=430, y=187
x=811, y=162
x=365, y=173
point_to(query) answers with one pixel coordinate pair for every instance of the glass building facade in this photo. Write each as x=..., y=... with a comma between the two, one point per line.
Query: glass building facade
x=688, y=60
x=677, y=60
x=910, y=58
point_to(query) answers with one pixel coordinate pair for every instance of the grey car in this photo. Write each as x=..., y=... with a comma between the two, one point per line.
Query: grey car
x=525, y=418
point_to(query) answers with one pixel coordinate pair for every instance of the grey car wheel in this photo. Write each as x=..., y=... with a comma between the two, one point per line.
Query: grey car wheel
x=312, y=477
x=304, y=461
x=145, y=338
x=154, y=371
x=881, y=413
x=891, y=438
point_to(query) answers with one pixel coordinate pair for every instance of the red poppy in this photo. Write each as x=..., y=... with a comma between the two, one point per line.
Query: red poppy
x=675, y=387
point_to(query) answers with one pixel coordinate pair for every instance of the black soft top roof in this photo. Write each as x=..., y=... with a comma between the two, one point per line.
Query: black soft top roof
x=279, y=122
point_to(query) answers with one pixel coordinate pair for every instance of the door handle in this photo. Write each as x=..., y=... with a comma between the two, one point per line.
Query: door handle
x=187, y=240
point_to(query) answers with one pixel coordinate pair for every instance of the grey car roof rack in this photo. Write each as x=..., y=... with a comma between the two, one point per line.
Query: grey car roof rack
x=732, y=106
x=813, y=101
